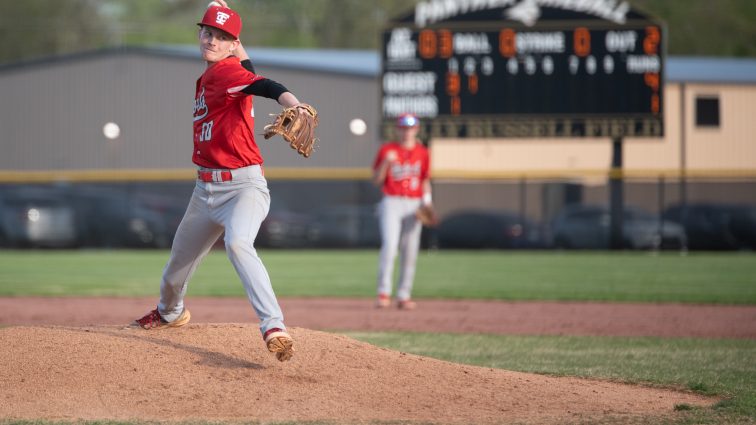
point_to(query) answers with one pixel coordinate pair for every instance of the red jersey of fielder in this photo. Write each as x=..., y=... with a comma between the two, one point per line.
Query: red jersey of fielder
x=406, y=174
x=224, y=117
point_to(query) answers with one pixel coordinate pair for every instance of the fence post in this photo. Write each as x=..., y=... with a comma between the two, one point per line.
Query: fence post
x=616, y=196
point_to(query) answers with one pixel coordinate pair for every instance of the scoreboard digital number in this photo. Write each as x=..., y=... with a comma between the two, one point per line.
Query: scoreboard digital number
x=518, y=81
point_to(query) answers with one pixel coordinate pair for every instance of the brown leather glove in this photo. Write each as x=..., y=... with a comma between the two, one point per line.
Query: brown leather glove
x=427, y=215
x=296, y=125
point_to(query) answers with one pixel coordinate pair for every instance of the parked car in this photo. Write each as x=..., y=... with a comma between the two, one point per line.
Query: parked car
x=283, y=228
x=114, y=219
x=345, y=226
x=171, y=210
x=711, y=226
x=588, y=227
x=744, y=226
x=36, y=217
x=487, y=229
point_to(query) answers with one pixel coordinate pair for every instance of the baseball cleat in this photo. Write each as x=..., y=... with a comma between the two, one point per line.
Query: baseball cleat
x=406, y=305
x=153, y=320
x=280, y=343
x=383, y=301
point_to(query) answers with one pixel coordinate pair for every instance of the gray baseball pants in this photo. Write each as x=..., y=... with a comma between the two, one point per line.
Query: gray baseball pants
x=400, y=232
x=238, y=206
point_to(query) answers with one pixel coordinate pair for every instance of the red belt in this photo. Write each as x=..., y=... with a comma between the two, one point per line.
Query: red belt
x=214, y=176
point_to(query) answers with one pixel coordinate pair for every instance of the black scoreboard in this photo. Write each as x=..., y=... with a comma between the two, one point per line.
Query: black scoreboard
x=569, y=74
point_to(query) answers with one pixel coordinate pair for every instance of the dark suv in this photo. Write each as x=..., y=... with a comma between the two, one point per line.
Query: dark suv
x=487, y=230
x=713, y=226
x=588, y=227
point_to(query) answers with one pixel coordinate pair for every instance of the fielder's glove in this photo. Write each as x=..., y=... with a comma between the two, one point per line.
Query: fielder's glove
x=296, y=125
x=427, y=215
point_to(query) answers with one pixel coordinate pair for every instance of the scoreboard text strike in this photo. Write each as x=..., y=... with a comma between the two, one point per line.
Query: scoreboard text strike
x=590, y=79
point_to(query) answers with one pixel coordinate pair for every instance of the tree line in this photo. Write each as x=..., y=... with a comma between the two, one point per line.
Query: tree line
x=39, y=28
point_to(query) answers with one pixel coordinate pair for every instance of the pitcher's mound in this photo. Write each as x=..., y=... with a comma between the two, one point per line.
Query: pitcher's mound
x=223, y=372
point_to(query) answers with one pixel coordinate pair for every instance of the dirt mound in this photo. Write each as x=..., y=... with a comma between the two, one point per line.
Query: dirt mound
x=215, y=372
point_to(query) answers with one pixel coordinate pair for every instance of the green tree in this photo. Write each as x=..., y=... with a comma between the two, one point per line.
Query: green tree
x=318, y=23
x=705, y=27
x=33, y=28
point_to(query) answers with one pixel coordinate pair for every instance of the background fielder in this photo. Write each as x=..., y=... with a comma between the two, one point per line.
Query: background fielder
x=402, y=170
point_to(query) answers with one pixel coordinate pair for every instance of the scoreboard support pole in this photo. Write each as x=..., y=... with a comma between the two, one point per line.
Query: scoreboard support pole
x=616, y=196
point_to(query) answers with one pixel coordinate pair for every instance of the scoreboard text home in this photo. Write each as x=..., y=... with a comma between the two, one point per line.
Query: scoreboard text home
x=525, y=68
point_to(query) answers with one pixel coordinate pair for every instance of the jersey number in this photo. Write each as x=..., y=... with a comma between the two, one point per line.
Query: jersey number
x=207, y=132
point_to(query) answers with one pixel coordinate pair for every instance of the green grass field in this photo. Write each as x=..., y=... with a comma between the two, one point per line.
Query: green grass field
x=726, y=368
x=728, y=278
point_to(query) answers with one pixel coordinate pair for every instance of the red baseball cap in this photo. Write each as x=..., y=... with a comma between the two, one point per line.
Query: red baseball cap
x=407, y=120
x=224, y=19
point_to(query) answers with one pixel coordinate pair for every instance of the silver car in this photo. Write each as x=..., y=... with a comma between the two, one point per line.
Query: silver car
x=36, y=217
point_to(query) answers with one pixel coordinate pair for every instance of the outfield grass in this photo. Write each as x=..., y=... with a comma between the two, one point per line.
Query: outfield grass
x=728, y=278
x=725, y=368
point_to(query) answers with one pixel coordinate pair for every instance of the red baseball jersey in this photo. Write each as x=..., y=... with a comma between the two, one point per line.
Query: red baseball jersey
x=224, y=117
x=406, y=174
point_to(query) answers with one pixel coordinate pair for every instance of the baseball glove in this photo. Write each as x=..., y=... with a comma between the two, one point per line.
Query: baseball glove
x=296, y=125
x=427, y=215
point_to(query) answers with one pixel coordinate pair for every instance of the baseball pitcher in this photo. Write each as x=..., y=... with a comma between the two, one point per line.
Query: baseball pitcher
x=231, y=192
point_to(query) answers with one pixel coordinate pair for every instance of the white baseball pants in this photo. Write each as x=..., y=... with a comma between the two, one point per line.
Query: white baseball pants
x=400, y=232
x=238, y=206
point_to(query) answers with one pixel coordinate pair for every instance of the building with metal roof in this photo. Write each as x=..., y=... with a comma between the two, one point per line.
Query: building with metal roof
x=55, y=111
x=367, y=63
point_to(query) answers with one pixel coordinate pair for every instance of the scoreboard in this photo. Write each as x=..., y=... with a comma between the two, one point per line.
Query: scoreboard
x=558, y=78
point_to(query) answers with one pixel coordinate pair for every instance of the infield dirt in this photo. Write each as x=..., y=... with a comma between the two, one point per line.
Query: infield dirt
x=451, y=316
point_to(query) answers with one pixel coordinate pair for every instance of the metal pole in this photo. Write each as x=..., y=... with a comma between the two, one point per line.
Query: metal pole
x=523, y=198
x=525, y=230
x=683, y=153
x=660, y=230
x=616, y=196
